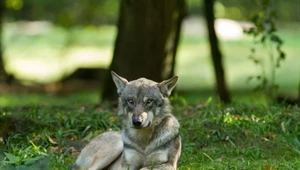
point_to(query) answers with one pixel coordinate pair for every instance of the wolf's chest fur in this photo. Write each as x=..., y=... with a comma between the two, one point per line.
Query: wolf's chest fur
x=148, y=146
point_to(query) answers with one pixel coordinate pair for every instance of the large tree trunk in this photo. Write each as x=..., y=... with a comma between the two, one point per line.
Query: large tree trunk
x=146, y=41
x=215, y=52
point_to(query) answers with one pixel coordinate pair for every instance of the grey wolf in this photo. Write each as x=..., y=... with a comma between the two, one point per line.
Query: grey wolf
x=150, y=132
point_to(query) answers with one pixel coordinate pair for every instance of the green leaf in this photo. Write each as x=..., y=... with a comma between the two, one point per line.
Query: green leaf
x=22, y=167
x=28, y=161
x=263, y=39
x=12, y=158
x=282, y=55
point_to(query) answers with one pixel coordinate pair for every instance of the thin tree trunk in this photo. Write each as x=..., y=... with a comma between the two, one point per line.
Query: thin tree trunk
x=182, y=12
x=145, y=43
x=215, y=52
x=3, y=74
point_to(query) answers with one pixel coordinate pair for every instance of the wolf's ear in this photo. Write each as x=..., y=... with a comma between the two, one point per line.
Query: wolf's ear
x=120, y=82
x=167, y=86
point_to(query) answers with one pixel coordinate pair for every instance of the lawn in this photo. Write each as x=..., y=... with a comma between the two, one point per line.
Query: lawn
x=48, y=132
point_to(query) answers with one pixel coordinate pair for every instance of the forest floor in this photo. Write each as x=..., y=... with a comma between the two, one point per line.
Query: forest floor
x=47, y=131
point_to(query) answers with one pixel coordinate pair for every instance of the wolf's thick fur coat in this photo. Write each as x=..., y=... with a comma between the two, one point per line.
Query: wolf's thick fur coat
x=150, y=133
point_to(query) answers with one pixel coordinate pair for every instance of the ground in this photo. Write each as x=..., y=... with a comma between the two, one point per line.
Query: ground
x=51, y=130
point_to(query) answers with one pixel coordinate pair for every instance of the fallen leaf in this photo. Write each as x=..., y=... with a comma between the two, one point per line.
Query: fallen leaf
x=264, y=139
x=272, y=135
x=220, y=159
x=246, y=133
x=267, y=167
x=53, y=148
x=74, y=151
x=227, y=138
x=51, y=140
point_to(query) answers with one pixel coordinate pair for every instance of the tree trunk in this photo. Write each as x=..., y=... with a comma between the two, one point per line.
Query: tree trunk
x=182, y=12
x=146, y=41
x=215, y=52
x=3, y=74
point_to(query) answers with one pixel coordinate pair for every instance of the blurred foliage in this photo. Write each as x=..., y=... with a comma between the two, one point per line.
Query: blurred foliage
x=75, y=12
x=264, y=33
x=243, y=10
x=65, y=13
x=14, y=4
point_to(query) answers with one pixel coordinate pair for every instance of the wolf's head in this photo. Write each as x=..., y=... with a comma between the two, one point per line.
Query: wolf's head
x=142, y=100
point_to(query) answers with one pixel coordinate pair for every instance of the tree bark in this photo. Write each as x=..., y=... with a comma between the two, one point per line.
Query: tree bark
x=146, y=41
x=3, y=74
x=182, y=12
x=215, y=52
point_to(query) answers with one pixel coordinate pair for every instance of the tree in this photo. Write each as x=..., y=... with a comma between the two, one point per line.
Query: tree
x=148, y=34
x=3, y=74
x=215, y=52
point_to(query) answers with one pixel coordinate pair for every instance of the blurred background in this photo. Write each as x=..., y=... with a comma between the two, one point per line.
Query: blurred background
x=57, y=48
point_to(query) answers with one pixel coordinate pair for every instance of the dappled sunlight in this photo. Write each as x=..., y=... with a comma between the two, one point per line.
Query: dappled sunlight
x=229, y=29
x=89, y=57
x=44, y=58
x=47, y=70
x=226, y=29
x=47, y=57
x=36, y=70
x=4, y=101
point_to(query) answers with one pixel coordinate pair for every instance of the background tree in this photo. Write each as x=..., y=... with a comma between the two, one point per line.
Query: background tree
x=215, y=52
x=146, y=42
x=3, y=74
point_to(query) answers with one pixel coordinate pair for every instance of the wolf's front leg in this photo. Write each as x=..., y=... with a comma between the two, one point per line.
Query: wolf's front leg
x=166, y=166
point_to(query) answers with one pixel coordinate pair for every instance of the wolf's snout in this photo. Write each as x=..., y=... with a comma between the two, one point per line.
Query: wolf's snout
x=137, y=121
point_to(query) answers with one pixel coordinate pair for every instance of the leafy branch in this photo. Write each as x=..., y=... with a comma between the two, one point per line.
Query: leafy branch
x=264, y=33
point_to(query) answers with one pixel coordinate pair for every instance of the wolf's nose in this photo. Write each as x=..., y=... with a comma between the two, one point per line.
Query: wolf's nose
x=136, y=121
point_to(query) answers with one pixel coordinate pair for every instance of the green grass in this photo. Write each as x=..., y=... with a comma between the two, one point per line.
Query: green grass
x=214, y=136
x=241, y=137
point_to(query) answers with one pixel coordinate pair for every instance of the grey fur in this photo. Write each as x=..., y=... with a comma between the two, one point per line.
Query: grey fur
x=156, y=140
x=150, y=133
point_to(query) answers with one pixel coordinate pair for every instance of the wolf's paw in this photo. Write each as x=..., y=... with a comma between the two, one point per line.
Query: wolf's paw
x=159, y=167
x=146, y=168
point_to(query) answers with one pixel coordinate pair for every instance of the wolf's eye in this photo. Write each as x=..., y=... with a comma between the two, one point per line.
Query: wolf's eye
x=130, y=101
x=149, y=101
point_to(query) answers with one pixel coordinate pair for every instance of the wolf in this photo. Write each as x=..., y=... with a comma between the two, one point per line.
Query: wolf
x=149, y=138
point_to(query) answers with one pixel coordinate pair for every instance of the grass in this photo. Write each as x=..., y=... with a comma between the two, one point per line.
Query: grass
x=241, y=137
x=215, y=136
